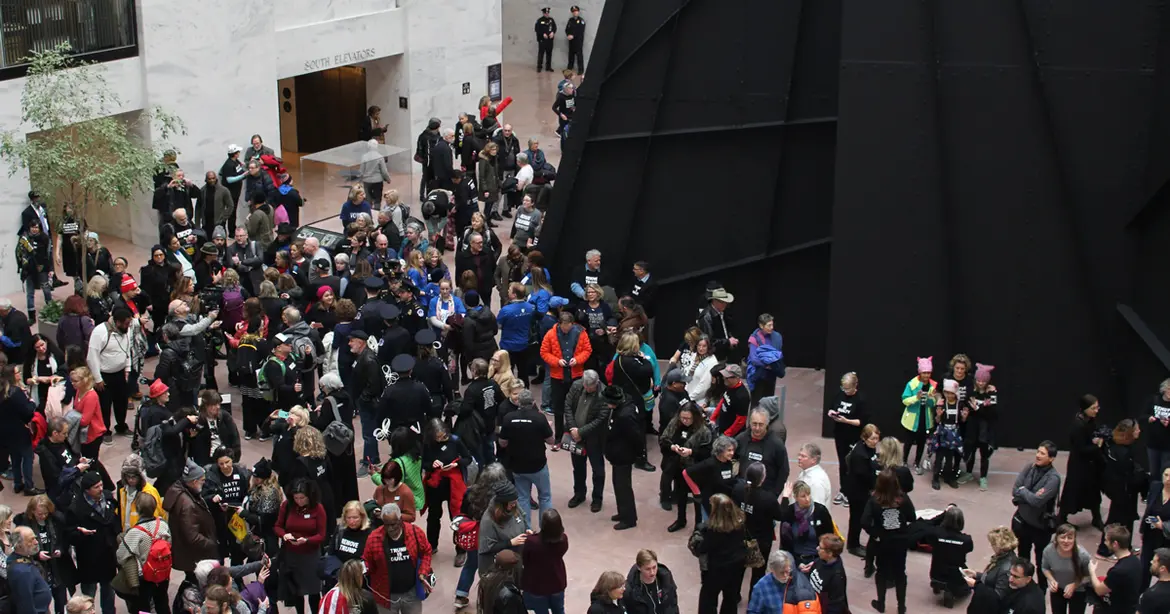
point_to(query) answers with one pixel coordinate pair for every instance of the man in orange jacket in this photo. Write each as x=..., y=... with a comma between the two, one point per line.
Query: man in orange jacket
x=565, y=348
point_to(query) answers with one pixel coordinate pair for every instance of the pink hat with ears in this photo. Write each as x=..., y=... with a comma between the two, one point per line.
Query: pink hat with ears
x=983, y=372
x=950, y=385
x=926, y=365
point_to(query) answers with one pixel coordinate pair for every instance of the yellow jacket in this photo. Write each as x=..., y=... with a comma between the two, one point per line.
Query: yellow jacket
x=133, y=511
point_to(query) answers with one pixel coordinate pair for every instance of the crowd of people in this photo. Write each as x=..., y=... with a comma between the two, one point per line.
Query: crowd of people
x=330, y=354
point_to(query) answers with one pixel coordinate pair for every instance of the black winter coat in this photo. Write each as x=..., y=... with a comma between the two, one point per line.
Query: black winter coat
x=97, y=551
x=625, y=440
x=479, y=333
x=601, y=604
x=634, y=375
x=16, y=410
x=638, y=601
x=1082, y=482
x=52, y=537
x=229, y=437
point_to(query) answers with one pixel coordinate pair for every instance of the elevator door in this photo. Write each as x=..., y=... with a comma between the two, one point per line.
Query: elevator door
x=330, y=105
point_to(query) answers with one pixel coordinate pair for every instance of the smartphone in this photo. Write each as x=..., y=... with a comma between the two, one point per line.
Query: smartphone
x=225, y=399
x=283, y=415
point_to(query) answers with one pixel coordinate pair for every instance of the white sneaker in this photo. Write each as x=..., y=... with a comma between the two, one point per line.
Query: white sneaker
x=839, y=499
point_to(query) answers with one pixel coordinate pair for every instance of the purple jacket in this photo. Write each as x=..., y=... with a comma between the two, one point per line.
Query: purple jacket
x=74, y=329
x=253, y=594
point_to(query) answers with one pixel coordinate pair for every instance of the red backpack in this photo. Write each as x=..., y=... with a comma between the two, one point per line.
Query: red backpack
x=157, y=566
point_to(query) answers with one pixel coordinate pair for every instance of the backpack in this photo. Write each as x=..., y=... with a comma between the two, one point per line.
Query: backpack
x=245, y=363
x=338, y=437
x=157, y=566
x=466, y=533
x=153, y=452
x=262, y=383
x=233, y=305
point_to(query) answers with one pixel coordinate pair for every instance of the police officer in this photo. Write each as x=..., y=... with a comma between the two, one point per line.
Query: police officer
x=395, y=339
x=370, y=315
x=406, y=402
x=575, y=30
x=431, y=371
x=546, y=30
x=414, y=317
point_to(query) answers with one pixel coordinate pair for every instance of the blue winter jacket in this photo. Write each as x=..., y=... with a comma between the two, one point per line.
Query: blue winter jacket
x=515, y=320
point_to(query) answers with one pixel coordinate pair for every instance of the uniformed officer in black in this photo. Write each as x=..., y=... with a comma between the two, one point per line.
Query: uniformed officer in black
x=414, y=317
x=546, y=30
x=431, y=371
x=370, y=315
x=395, y=339
x=406, y=402
x=575, y=31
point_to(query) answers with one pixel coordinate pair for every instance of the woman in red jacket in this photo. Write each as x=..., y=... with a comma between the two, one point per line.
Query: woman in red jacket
x=86, y=403
x=300, y=526
x=405, y=547
x=565, y=349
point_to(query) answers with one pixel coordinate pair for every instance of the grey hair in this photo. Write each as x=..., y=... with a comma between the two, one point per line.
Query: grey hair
x=292, y=314
x=763, y=412
x=5, y=303
x=331, y=381
x=448, y=132
x=722, y=444
x=591, y=253
x=391, y=509
x=365, y=216
x=590, y=378
x=521, y=158
x=813, y=450
x=342, y=257
x=268, y=290
x=1165, y=386
x=526, y=401
x=175, y=213
x=532, y=140
x=471, y=237
x=415, y=226
x=778, y=560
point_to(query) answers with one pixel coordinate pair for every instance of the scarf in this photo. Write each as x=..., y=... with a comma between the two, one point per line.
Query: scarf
x=803, y=516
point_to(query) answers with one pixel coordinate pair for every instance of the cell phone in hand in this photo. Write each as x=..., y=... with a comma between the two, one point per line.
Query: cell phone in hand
x=283, y=415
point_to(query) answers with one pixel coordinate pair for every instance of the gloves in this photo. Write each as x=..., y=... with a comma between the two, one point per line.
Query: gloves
x=8, y=342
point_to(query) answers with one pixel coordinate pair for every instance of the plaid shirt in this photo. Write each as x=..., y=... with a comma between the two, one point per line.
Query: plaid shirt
x=768, y=596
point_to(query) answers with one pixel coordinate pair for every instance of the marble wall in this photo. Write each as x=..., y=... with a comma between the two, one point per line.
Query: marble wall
x=215, y=64
x=520, y=18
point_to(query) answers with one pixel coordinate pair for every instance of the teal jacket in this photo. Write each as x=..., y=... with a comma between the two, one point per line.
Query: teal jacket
x=912, y=406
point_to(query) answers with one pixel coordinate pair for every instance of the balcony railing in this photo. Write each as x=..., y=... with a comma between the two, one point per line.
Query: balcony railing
x=100, y=30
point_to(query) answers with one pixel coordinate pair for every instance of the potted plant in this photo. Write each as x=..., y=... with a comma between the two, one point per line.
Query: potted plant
x=48, y=318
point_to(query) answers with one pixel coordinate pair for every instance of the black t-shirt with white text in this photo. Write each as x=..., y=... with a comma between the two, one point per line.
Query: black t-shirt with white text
x=526, y=431
x=401, y=567
x=350, y=543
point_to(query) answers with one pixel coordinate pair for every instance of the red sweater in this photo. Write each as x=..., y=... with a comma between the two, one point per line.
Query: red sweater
x=500, y=106
x=544, y=566
x=309, y=524
x=90, y=409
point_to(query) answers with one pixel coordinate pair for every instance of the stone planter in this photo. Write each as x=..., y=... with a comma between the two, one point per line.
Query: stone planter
x=48, y=329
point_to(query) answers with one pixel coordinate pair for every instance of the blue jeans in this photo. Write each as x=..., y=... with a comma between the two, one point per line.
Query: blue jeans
x=524, y=484
x=467, y=575
x=546, y=392
x=543, y=605
x=40, y=280
x=1159, y=461
x=370, y=443
x=22, y=462
x=107, y=600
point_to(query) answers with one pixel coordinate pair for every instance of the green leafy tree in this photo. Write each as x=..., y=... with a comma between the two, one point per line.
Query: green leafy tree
x=82, y=154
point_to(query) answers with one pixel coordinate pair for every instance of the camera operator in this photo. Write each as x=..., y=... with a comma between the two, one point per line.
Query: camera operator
x=184, y=357
x=208, y=270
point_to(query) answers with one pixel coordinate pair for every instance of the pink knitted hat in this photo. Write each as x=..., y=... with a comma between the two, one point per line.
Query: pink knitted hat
x=983, y=372
x=950, y=385
x=926, y=364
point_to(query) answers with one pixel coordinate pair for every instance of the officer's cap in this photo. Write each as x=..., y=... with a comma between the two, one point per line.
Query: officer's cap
x=389, y=312
x=545, y=10
x=574, y=8
x=373, y=282
x=425, y=336
x=402, y=363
